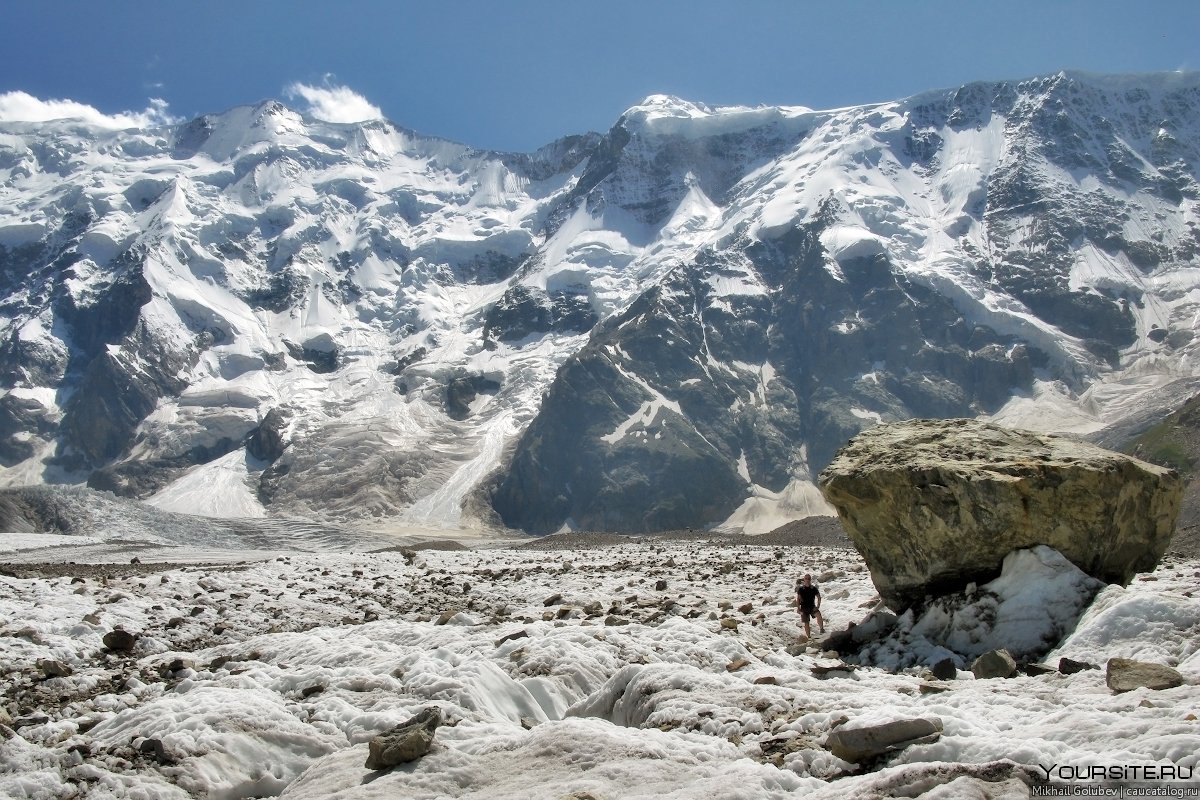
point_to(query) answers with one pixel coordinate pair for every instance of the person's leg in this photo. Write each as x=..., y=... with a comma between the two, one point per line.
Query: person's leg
x=804, y=618
x=820, y=620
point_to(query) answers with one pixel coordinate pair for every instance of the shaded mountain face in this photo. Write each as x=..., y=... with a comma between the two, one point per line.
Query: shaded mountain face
x=674, y=324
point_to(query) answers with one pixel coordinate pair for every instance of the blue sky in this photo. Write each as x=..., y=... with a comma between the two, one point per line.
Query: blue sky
x=515, y=75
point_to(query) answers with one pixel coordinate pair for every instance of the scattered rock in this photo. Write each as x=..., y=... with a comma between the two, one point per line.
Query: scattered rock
x=521, y=634
x=1125, y=674
x=945, y=670
x=119, y=640
x=766, y=680
x=827, y=669
x=406, y=742
x=736, y=664
x=446, y=616
x=660, y=586
x=1037, y=670
x=52, y=668
x=154, y=748
x=994, y=664
x=309, y=691
x=553, y=600
x=613, y=619
x=862, y=744
x=1069, y=666
x=729, y=624
x=933, y=505
x=745, y=608
x=933, y=687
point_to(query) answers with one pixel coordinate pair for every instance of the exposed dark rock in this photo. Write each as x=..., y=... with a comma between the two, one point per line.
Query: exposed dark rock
x=119, y=640
x=945, y=670
x=269, y=440
x=463, y=390
x=526, y=310
x=143, y=477
x=1069, y=666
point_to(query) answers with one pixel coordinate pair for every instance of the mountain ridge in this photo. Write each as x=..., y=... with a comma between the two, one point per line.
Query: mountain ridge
x=741, y=288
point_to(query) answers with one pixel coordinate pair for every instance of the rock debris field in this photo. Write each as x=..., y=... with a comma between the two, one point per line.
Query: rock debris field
x=640, y=669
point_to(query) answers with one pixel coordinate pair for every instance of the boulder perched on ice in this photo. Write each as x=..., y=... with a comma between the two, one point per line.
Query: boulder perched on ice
x=862, y=743
x=933, y=505
x=406, y=742
x=1126, y=674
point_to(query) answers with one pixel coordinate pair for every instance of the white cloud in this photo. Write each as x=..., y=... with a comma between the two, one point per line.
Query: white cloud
x=20, y=106
x=334, y=103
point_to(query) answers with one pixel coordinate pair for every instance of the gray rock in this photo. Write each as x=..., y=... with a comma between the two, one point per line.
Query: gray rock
x=1125, y=675
x=994, y=664
x=406, y=742
x=862, y=744
x=52, y=668
x=1069, y=666
x=119, y=640
x=933, y=505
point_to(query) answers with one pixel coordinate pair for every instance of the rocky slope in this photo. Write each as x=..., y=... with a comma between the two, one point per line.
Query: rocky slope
x=673, y=324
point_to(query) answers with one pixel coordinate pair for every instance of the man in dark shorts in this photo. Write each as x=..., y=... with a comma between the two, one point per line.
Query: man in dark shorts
x=808, y=603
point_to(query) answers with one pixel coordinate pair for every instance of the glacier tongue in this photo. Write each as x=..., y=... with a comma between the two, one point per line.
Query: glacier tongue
x=672, y=324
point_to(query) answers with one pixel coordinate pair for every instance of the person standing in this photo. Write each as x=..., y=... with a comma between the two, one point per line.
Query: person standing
x=808, y=603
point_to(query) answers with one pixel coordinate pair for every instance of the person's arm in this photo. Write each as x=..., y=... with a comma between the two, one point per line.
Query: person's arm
x=817, y=600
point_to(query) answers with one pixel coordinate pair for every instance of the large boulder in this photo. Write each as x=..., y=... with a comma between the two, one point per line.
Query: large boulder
x=1125, y=675
x=933, y=505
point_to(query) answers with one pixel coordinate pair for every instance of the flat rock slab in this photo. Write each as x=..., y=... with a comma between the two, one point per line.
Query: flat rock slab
x=862, y=744
x=933, y=505
x=1125, y=675
x=406, y=742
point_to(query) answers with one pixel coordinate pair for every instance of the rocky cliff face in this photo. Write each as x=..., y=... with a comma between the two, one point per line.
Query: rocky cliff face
x=676, y=323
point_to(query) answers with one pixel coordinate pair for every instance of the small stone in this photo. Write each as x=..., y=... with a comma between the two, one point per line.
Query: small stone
x=766, y=680
x=613, y=620
x=309, y=691
x=119, y=640
x=1125, y=674
x=52, y=668
x=446, y=616
x=521, y=634
x=406, y=742
x=729, y=624
x=1069, y=666
x=994, y=664
x=660, y=586
x=736, y=664
x=553, y=600
x=932, y=687
x=945, y=670
x=746, y=608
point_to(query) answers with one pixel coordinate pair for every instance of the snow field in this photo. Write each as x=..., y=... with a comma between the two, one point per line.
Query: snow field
x=621, y=685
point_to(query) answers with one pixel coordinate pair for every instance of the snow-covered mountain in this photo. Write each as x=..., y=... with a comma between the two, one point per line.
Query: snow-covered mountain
x=673, y=324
